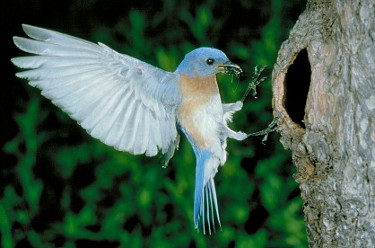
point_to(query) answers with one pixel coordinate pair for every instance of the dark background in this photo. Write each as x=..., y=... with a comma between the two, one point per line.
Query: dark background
x=61, y=188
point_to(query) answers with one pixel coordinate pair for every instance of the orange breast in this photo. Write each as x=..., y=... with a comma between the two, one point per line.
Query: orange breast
x=196, y=92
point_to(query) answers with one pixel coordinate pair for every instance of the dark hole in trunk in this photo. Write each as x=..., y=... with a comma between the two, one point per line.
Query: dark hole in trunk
x=297, y=84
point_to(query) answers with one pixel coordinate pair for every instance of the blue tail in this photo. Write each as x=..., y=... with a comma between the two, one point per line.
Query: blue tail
x=206, y=209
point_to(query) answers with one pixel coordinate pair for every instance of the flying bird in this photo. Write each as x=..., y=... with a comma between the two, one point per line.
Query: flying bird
x=136, y=107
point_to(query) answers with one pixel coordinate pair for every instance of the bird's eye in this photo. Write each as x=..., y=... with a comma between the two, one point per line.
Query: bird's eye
x=210, y=61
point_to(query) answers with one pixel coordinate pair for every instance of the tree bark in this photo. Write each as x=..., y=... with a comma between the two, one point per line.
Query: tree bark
x=324, y=97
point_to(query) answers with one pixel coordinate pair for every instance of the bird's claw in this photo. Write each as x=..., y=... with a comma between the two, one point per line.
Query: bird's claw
x=255, y=81
x=271, y=128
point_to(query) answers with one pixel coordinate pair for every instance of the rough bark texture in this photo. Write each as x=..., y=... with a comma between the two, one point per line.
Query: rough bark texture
x=324, y=96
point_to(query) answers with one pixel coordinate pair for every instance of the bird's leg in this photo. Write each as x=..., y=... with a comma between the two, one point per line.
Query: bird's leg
x=271, y=128
x=232, y=107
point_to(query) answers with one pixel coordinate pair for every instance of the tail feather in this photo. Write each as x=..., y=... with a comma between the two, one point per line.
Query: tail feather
x=201, y=157
x=206, y=211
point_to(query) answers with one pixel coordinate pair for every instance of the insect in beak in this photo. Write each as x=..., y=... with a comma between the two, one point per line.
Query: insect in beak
x=230, y=67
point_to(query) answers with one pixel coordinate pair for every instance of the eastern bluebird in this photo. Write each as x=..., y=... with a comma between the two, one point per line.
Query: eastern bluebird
x=136, y=107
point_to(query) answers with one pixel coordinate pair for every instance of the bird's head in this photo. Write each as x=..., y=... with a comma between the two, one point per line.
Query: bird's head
x=206, y=61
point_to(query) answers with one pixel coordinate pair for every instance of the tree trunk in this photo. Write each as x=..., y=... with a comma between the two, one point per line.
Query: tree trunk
x=324, y=96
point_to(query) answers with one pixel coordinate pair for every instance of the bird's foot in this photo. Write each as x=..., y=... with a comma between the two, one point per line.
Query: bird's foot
x=255, y=81
x=271, y=128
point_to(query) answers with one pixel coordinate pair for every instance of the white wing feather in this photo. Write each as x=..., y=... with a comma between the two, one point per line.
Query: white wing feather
x=122, y=101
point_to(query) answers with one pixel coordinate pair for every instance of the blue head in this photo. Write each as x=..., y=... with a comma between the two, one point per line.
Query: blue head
x=206, y=61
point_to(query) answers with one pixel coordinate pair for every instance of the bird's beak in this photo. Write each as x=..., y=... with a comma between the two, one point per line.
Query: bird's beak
x=230, y=67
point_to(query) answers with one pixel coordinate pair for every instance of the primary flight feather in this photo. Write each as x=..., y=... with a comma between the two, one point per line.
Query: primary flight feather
x=136, y=107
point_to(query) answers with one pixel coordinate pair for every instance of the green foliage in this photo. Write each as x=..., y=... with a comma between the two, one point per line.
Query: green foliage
x=70, y=190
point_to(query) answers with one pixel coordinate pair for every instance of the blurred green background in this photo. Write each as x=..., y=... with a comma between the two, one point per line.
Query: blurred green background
x=61, y=188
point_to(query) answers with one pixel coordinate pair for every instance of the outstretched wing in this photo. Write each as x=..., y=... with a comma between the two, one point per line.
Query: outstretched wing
x=122, y=101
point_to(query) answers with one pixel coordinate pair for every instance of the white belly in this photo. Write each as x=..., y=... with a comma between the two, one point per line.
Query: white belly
x=207, y=120
x=204, y=125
